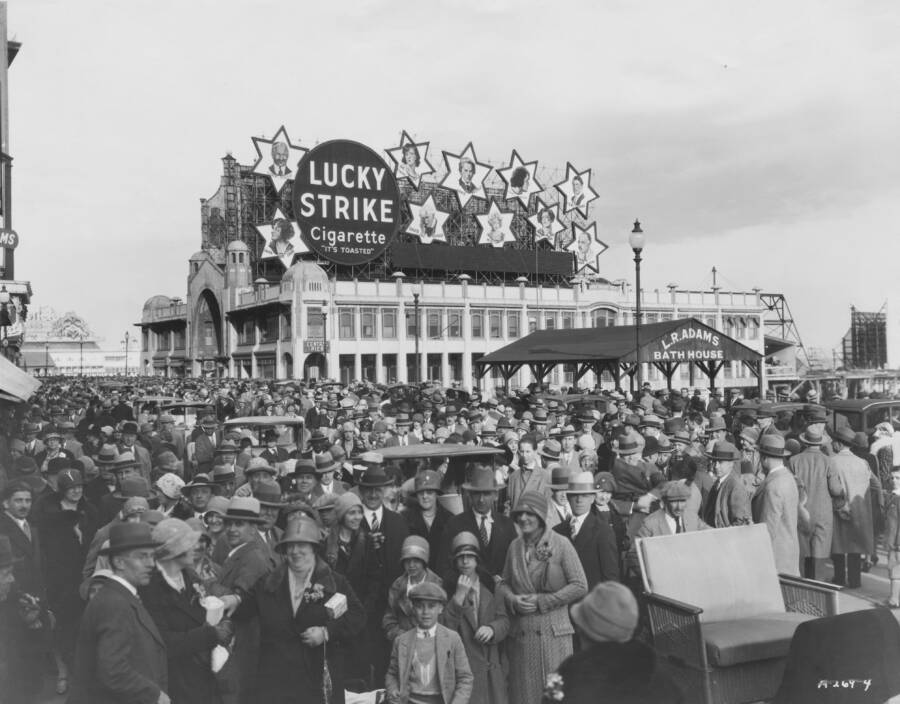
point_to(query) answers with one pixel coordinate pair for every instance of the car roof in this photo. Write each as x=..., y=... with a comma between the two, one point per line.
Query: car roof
x=424, y=450
x=264, y=420
x=861, y=404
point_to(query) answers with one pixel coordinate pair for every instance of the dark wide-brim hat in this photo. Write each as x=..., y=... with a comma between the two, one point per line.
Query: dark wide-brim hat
x=129, y=536
x=374, y=477
x=482, y=479
x=772, y=445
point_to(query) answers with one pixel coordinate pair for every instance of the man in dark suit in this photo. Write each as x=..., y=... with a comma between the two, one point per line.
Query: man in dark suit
x=728, y=501
x=495, y=531
x=592, y=537
x=120, y=656
x=386, y=530
x=17, y=499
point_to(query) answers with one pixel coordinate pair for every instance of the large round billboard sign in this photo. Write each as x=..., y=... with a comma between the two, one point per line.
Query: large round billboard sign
x=346, y=202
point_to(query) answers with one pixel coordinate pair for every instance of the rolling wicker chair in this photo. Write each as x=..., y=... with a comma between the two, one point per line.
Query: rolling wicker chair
x=721, y=618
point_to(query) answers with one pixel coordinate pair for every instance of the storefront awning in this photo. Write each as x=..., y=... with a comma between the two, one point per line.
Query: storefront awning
x=15, y=383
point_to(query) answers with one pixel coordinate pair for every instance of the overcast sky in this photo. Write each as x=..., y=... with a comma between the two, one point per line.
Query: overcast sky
x=760, y=138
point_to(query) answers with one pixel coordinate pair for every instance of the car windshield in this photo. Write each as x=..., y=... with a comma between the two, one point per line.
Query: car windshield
x=843, y=419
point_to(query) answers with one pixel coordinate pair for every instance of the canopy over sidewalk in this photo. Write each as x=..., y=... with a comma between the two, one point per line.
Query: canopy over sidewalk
x=665, y=345
x=15, y=385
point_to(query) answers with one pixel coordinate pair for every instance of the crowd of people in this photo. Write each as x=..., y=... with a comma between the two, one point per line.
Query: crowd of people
x=145, y=561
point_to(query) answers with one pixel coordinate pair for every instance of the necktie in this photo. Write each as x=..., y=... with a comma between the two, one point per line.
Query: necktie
x=26, y=529
x=573, y=526
x=375, y=525
x=679, y=526
x=482, y=529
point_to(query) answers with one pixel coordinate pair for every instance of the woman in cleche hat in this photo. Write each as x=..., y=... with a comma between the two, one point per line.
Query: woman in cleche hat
x=541, y=578
x=309, y=617
x=612, y=666
x=173, y=600
x=478, y=614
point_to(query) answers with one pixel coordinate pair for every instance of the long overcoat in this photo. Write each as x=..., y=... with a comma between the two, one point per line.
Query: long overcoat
x=853, y=525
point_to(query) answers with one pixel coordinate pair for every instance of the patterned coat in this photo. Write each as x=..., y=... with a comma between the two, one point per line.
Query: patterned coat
x=538, y=642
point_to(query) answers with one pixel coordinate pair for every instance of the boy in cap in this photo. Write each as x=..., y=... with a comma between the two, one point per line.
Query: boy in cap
x=428, y=663
x=414, y=556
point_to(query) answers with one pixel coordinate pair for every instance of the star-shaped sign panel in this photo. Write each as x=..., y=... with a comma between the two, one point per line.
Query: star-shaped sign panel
x=496, y=227
x=546, y=222
x=521, y=181
x=576, y=190
x=277, y=158
x=427, y=222
x=586, y=247
x=411, y=160
x=465, y=175
x=282, y=237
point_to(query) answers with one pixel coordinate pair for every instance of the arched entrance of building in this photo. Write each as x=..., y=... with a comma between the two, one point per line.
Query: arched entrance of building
x=207, y=332
x=287, y=360
x=315, y=366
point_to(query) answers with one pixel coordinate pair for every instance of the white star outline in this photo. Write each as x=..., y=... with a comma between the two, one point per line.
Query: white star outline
x=415, y=226
x=505, y=226
x=555, y=228
x=534, y=186
x=596, y=248
x=565, y=189
x=451, y=179
x=396, y=155
x=296, y=241
x=264, y=159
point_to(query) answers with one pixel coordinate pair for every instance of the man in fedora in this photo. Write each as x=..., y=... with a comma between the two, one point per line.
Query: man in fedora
x=325, y=469
x=140, y=453
x=776, y=503
x=200, y=451
x=24, y=630
x=823, y=488
x=728, y=501
x=637, y=482
x=197, y=493
x=593, y=538
x=494, y=530
x=853, y=535
x=247, y=562
x=386, y=531
x=120, y=656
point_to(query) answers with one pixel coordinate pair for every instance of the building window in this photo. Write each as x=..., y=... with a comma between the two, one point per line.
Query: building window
x=454, y=329
x=753, y=333
x=496, y=324
x=265, y=367
x=569, y=374
x=315, y=324
x=208, y=334
x=741, y=328
x=411, y=327
x=477, y=324
x=729, y=327
x=389, y=324
x=179, y=339
x=286, y=326
x=434, y=325
x=162, y=341
x=346, y=324
x=550, y=321
x=247, y=333
x=603, y=318
x=711, y=322
x=512, y=324
x=269, y=328
x=532, y=322
x=145, y=341
x=650, y=318
x=367, y=323
x=568, y=320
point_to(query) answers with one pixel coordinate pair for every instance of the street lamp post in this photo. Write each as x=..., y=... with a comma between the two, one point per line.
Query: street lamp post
x=125, y=342
x=5, y=319
x=418, y=361
x=46, y=359
x=81, y=355
x=636, y=242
